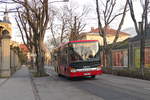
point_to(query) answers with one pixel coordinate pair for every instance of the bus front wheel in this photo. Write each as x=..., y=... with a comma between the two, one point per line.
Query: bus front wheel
x=93, y=76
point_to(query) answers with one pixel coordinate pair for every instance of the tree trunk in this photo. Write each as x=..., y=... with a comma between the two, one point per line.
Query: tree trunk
x=108, y=53
x=104, y=58
x=142, y=56
x=142, y=43
x=110, y=58
x=40, y=63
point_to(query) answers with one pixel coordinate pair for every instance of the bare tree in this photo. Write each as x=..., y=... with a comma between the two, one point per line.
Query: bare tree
x=34, y=18
x=107, y=16
x=76, y=23
x=141, y=30
x=69, y=24
x=58, y=27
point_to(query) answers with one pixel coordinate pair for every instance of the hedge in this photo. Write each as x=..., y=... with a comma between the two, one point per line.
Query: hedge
x=128, y=72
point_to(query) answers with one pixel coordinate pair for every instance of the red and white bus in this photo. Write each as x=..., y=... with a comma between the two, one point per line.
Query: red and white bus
x=78, y=58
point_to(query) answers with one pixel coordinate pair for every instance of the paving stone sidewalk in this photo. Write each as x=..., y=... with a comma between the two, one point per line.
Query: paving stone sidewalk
x=2, y=81
x=18, y=87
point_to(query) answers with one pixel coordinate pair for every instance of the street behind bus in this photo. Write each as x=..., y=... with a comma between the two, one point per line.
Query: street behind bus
x=103, y=87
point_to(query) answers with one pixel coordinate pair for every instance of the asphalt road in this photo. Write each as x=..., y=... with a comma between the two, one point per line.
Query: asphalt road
x=103, y=87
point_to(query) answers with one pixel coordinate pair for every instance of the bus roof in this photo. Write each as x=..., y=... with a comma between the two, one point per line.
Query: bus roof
x=82, y=41
x=61, y=45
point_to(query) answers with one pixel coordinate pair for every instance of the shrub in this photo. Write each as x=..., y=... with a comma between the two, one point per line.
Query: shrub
x=128, y=72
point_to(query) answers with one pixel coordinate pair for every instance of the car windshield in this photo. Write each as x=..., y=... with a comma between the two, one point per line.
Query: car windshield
x=85, y=50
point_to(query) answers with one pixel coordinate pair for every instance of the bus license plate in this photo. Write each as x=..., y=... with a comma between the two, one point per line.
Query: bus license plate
x=87, y=73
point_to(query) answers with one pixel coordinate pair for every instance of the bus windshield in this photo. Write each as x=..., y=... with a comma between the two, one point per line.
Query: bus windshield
x=85, y=50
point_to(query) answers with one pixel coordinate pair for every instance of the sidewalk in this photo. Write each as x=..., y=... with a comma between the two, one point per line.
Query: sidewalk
x=2, y=81
x=18, y=87
x=22, y=87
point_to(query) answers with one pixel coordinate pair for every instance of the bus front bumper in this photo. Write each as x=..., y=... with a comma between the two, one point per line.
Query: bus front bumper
x=85, y=72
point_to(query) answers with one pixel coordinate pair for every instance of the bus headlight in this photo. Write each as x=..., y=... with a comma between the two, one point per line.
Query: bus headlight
x=99, y=68
x=73, y=70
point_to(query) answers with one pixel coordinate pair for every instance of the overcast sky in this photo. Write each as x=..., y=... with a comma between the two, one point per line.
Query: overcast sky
x=91, y=19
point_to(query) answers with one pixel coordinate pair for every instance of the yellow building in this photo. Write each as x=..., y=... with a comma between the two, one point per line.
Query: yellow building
x=94, y=35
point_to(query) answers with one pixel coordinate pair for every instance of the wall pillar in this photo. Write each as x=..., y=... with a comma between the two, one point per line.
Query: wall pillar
x=5, y=69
